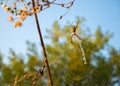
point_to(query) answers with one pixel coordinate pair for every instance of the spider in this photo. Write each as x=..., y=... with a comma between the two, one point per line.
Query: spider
x=75, y=38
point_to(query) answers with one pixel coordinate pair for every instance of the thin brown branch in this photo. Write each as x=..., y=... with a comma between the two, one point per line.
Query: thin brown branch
x=43, y=47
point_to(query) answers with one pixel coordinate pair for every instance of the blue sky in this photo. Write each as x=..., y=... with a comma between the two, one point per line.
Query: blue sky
x=104, y=13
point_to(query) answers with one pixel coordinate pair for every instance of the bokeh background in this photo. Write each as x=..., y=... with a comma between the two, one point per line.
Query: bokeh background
x=96, y=13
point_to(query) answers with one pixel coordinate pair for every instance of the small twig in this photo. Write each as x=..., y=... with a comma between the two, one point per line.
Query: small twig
x=15, y=80
x=41, y=71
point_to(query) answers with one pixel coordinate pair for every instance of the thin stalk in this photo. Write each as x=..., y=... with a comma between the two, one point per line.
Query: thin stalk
x=43, y=46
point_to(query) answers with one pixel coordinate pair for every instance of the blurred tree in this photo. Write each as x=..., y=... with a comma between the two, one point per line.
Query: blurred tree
x=66, y=61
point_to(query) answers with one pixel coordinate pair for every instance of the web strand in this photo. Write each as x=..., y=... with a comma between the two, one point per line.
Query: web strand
x=83, y=53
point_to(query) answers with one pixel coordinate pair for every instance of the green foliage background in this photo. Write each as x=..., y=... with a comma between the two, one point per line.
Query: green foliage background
x=65, y=60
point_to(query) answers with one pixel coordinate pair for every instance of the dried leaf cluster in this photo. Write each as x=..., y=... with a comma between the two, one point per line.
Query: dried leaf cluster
x=21, y=9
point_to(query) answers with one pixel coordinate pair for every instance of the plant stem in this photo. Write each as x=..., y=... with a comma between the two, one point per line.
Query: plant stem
x=43, y=46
